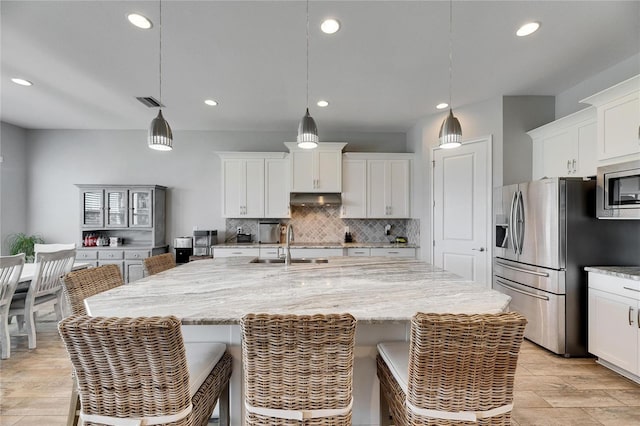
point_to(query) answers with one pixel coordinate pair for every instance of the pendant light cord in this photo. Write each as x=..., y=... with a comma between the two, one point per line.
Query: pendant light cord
x=160, y=56
x=307, y=54
x=450, y=48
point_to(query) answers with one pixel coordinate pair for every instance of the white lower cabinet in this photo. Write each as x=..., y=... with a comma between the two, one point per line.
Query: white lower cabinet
x=235, y=251
x=127, y=260
x=358, y=251
x=270, y=252
x=614, y=323
x=394, y=252
x=316, y=252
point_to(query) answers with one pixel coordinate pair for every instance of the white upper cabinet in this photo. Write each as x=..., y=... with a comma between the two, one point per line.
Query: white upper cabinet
x=376, y=185
x=354, y=188
x=318, y=169
x=254, y=184
x=618, y=118
x=566, y=147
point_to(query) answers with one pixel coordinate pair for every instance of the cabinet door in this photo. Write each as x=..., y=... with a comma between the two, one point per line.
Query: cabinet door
x=587, y=149
x=117, y=214
x=92, y=205
x=559, y=154
x=140, y=208
x=303, y=177
x=618, y=127
x=354, y=189
x=329, y=171
x=397, y=173
x=254, y=183
x=276, y=188
x=377, y=206
x=135, y=271
x=613, y=330
x=234, y=192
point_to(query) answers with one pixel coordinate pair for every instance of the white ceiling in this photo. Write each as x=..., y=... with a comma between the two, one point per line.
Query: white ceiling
x=385, y=69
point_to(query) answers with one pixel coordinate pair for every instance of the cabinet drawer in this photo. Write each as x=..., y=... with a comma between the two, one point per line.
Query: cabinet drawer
x=358, y=251
x=110, y=254
x=316, y=252
x=270, y=252
x=229, y=252
x=136, y=254
x=616, y=285
x=86, y=254
x=394, y=252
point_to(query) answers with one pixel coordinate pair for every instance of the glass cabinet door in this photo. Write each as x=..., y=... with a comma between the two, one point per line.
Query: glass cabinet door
x=92, y=208
x=140, y=208
x=116, y=208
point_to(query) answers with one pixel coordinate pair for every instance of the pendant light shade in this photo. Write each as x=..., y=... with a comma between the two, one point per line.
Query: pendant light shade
x=307, y=132
x=307, y=129
x=160, y=136
x=450, y=132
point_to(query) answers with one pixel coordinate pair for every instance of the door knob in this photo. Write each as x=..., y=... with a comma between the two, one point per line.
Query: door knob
x=478, y=249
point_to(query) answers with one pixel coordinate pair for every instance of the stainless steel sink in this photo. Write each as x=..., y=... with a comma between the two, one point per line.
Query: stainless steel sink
x=293, y=261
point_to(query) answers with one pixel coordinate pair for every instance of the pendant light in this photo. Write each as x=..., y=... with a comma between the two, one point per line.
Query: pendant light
x=450, y=131
x=160, y=135
x=307, y=129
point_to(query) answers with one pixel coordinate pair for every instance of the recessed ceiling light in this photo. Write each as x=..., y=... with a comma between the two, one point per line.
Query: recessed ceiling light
x=22, y=82
x=139, y=21
x=528, y=29
x=211, y=102
x=322, y=104
x=330, y=26
x=442, y=105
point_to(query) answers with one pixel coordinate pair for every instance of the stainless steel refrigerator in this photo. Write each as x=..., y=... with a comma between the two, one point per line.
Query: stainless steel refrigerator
x=546, y=232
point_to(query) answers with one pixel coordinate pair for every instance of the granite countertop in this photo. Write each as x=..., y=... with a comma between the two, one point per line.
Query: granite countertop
x=319, y=245
x=372, y=289
x=628, y=272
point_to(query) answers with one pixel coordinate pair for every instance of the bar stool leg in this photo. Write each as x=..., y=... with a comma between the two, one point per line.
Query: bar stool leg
x=223, y=403
x=385, y=417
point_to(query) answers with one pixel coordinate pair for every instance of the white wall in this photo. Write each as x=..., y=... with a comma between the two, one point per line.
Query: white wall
x=568, y=102
x=13, y=182
x=59, y=159
x=477, y=120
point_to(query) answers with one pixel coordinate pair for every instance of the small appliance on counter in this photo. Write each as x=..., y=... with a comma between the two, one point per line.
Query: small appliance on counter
x=184, y=248
x=268, y=233
x=202, y=242
x=243, y=238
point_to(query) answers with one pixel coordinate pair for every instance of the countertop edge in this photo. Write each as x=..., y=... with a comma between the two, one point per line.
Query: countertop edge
x=627, y=272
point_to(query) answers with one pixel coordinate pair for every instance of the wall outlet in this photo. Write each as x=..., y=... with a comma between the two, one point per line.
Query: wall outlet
x=239, y=230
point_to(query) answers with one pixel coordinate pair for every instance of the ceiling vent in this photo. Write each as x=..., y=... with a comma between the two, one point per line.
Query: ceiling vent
x=149, y=101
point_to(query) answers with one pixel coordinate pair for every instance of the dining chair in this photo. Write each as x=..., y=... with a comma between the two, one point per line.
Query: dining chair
x=44, y=290
x=140, y=369
x=158, y=263
x=77, y=286
x=298, y=369
x=457, y=369
x=48, y=248
x=10, y=270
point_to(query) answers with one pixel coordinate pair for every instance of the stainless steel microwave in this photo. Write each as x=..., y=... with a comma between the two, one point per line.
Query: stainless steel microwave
x=618, y=191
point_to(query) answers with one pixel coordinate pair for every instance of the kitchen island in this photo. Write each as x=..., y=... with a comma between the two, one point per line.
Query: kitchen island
x=210, y=297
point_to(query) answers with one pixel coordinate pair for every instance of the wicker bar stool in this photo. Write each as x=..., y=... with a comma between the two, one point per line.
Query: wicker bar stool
x=456, y=370
x=140, y=369
x=298, y=370
x=77, y=286
x=158, y=263
x=10, y=270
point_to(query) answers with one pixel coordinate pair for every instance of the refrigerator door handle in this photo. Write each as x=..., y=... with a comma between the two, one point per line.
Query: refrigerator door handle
x=517, y=290
x=512, y=223
x=521, y=220
x=526, y=271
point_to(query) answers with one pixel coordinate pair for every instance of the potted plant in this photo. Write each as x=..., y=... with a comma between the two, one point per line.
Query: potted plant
x=23, y=243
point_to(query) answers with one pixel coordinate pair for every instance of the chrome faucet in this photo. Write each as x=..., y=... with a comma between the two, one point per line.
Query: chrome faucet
x=289, y=238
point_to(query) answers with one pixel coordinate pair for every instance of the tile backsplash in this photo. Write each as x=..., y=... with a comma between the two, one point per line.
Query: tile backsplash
x=324, y=225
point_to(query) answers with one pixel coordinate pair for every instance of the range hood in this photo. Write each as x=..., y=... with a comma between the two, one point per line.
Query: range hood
x=315, y=199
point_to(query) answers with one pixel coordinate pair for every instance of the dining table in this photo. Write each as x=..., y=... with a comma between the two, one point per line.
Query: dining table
x=211, y=296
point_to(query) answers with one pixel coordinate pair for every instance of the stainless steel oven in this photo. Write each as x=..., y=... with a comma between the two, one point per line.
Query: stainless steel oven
x=618, y=193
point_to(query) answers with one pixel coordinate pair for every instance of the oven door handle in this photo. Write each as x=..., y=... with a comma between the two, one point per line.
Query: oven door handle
x=517, y=290
x=540, y=274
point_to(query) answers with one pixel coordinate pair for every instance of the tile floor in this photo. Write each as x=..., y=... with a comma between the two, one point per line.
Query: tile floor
x=549, y=390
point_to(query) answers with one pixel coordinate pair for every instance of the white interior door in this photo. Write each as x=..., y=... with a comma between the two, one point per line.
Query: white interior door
x=462, y=210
